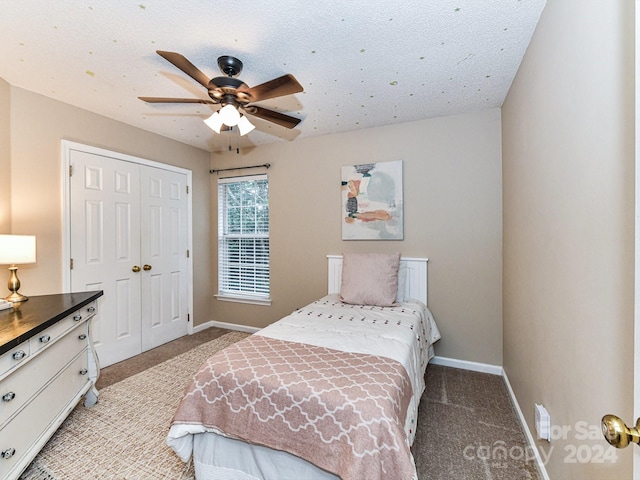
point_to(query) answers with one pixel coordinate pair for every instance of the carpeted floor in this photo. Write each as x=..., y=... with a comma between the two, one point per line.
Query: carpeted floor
x=115, y=373
x=123, y=436
x=467, y=426
x=468, y=429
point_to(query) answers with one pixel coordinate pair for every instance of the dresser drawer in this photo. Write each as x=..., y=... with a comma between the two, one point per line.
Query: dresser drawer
x=14, y=357
x=53, y=332
x=27, y=432
x=19, y=386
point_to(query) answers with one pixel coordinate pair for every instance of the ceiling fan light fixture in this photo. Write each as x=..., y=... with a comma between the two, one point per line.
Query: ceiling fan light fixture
x=214, y=122
x=244, y=125
x=232, y=94
x=230, y=115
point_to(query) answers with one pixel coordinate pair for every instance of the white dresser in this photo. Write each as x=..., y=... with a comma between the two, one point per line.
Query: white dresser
x=47, y=365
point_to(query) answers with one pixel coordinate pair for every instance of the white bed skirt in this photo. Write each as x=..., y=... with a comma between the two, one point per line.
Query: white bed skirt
x=222, y=458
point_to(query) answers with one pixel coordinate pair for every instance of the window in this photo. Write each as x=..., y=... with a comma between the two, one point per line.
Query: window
x=243, y=239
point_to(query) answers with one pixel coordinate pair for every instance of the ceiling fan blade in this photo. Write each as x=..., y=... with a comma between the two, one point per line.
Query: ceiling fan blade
x=278, y=87
x=272, y=116
x=175, y=100
x=186, y=66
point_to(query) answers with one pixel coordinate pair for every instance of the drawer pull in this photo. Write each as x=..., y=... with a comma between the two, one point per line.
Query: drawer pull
x=19, y=355
x=84, y=371
x=82, y=336
x=91, y=309
x=7, y=397
x=45, y=338
x=77, y=318
x=8, y=453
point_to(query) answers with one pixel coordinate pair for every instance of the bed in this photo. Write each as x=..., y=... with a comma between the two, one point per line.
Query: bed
x=329, y=392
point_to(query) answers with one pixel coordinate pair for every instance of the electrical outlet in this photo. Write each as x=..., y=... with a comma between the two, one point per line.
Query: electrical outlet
x=543, y=423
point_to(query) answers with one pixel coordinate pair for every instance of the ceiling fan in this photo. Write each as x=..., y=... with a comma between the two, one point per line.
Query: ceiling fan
x=233, y=94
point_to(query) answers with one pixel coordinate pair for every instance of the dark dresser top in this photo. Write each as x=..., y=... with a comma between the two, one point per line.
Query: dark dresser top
x=29, y=318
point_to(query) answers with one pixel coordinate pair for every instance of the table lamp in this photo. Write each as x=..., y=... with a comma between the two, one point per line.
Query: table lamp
x=16, y=249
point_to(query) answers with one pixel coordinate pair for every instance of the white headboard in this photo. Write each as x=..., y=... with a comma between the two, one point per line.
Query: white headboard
x=415, y=277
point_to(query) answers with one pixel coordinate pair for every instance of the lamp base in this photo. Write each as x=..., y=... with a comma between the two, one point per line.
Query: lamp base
x=14, y=285
x=16, y=297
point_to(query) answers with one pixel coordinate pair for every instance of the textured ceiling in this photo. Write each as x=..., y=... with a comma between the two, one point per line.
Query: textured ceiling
x=361, y=63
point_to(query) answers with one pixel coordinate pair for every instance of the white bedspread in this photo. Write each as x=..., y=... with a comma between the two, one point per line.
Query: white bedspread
x=404, y=333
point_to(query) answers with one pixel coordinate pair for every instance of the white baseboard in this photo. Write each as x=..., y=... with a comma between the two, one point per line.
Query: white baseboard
x=541, y=468
x=200, y=328
x=467, y=365
x=226, y=326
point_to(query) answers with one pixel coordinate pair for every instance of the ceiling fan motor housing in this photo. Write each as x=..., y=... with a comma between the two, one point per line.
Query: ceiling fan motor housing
x=220, y=87
x=229, y=65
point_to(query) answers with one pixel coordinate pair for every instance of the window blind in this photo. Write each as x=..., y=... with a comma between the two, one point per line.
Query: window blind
x=243, y=237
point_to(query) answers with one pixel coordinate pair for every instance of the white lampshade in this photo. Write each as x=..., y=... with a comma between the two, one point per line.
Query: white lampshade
x=244, y=125
x=214, y=122
x=17, y=249
x=230, y=115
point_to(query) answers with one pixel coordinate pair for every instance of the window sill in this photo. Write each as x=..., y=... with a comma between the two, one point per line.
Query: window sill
x=244, y=299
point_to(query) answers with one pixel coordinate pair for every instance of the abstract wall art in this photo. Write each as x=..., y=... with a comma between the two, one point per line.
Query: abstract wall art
x=372, y=201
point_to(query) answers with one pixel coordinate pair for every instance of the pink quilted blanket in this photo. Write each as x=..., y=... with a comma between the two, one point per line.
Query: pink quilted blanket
x=343, y=412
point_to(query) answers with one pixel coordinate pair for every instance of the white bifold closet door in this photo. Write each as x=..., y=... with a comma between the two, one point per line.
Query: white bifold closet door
x=129, y=238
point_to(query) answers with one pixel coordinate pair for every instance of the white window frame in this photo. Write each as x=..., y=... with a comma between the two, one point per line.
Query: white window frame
x=229, y=294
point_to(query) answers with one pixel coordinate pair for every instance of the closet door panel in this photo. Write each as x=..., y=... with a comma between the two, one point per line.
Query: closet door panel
x=105, y=239
x=164, y=253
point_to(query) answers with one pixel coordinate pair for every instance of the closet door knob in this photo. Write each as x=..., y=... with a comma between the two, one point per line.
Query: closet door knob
x=135, y=268
x=146, y=268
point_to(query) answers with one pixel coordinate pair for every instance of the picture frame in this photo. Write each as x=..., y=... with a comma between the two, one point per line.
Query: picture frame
x=372, y=201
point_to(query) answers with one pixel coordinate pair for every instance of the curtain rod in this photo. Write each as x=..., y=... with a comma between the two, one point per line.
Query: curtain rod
x=265, y=165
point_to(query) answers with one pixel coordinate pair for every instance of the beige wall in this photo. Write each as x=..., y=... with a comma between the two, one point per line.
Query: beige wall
x=452, y=197
x=452, y=209
x=37, y=126
x=5, y=158
x=568, y=153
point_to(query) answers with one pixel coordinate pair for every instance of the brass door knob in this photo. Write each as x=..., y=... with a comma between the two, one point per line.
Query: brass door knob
x=135, y=269
x=146, y=268
x=617, y=433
